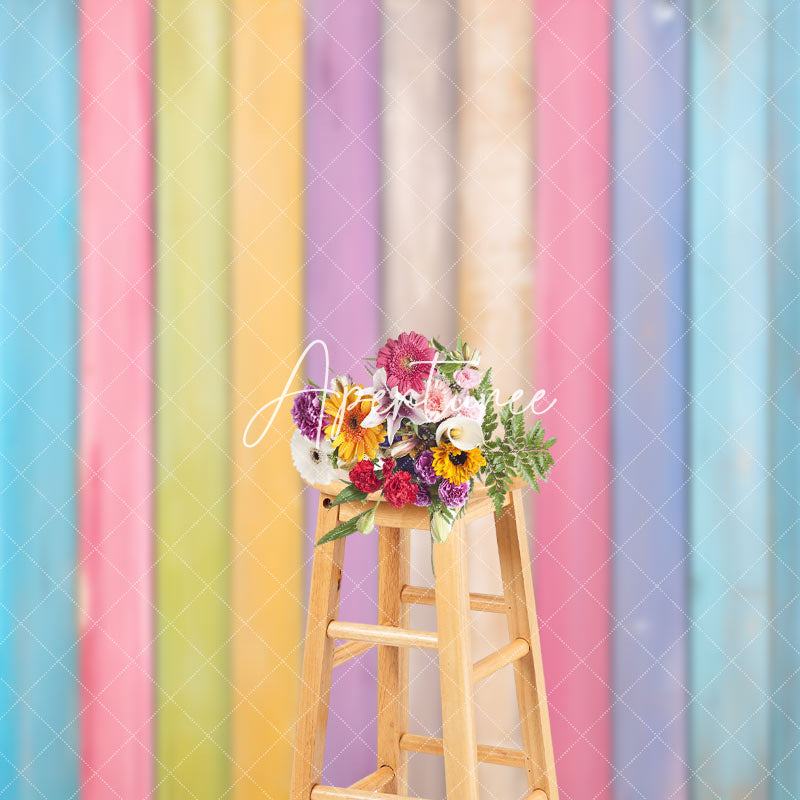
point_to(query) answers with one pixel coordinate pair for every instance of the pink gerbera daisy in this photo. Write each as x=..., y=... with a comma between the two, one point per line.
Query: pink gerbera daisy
x=405, y=361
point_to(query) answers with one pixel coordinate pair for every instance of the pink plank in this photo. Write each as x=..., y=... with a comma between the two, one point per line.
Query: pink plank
x=573, y=284
x=116, y=402
x=341, y=286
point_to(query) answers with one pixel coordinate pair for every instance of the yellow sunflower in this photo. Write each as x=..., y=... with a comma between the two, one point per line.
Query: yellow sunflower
x=457, y=466
x=346, y=411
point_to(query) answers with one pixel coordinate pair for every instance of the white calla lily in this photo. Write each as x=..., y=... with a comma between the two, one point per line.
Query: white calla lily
x=462, y=432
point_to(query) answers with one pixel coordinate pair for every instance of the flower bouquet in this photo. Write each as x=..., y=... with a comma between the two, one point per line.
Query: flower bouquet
x=422, y=434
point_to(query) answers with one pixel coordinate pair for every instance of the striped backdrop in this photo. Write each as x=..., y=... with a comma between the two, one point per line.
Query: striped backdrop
x=602, y=197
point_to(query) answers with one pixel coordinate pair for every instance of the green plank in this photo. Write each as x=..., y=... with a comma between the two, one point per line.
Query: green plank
x=729, y=382
x=193, y=694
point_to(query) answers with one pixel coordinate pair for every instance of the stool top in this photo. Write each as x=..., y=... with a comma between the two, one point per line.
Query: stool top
x=479, y=505
x=478, y=489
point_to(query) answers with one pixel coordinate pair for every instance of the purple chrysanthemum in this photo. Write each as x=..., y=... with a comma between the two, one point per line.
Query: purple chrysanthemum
x=423, y=466
x=454, y=495
x=423, y=498
x=306, y=412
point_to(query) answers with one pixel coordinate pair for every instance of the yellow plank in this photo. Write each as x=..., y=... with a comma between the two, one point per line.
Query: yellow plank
x=267, y=575
x=193, y=478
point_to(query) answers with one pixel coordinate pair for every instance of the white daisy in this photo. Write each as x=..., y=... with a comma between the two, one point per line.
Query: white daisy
x=312, y=462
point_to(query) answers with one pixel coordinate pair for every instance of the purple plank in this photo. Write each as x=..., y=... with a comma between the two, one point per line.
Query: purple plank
x=341, y=285
x=649, y=642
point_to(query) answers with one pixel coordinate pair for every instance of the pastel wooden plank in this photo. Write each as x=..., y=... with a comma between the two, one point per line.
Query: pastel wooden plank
x=572, y=361
x=38, y=400
x=729, y=418
x=784, y=684
x=495, y=278
x=649, y=645
x=342, y=180
x=267, y=524
x=116, y=478
x=418, y=275
x=193, y=475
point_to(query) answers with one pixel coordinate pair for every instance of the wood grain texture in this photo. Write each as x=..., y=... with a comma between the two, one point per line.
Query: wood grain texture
x=729, y=418
x=512, y=544
x=495, y=275
x=455, y=666
x=785, y=293
x=572, y=362
x=650, y=377
x=116, y=476
x=38, y=400
x=393, y=573
x=418, y=272
x=315, y=688
x=341, y=285
x=266, y=500
x=193, y=476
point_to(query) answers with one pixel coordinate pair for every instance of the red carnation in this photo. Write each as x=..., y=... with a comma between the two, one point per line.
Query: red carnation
x=364, y=478
x=399, y=489
x=387, y=468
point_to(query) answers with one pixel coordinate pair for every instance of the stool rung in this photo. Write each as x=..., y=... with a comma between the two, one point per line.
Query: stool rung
x=344, y=652
x=492, y=603
x=505, y=655
x=489, y=754
x=376, y=780
x=332, y=793
x=537, y=795
x=382, y=634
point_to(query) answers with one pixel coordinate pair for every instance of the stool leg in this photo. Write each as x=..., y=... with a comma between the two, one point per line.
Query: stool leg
x=515, y=568
x=393, y=574
x=455, y=667
x=323, y=603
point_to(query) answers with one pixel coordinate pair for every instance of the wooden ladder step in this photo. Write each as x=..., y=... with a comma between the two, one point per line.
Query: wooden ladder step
x=344, y=652
x=376, y=780
x=489, y=754
x=492, y=603
x=505, y=655
x=382, y=634
x=333, y=793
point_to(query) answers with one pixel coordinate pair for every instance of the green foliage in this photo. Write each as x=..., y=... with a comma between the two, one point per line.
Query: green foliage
x=517, y=453
x=344, y=528
x=349, y=494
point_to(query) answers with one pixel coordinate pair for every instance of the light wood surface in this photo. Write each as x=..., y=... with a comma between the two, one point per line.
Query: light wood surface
x=332, y=793
x=478, y=489
x=393, y=573
x=488, y=754
x=382, y=634
x=326, y=578
x=376, y=781
x=512, y=544
x=455, y=667
x=457, y=673
x=491, y=603
x=512, y=652
x=344, y=652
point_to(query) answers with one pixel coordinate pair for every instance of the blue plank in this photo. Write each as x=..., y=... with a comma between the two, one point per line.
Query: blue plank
x=649, y=647
x=785, y=217
x=38, y=399
x=730, y=419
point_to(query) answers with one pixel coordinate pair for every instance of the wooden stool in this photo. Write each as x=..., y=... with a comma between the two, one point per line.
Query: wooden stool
x=392, y=636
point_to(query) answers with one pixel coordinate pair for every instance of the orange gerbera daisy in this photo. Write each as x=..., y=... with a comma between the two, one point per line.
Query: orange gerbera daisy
x=347, y=410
